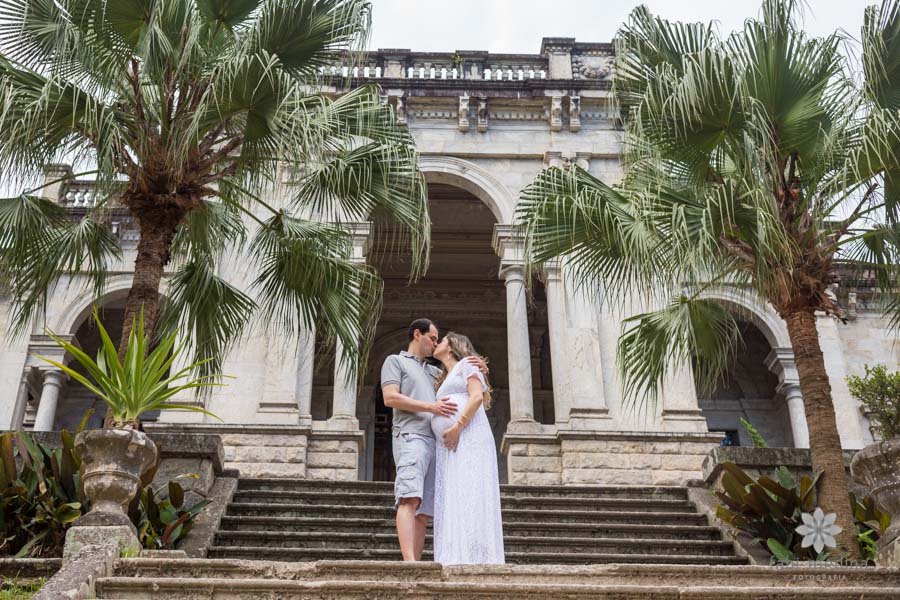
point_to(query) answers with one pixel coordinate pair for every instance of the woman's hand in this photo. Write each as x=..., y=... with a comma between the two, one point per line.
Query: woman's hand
x=451, y=436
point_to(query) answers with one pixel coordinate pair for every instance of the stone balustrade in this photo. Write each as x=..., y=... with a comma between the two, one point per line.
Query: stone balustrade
x=79, y=194
x=560, y=58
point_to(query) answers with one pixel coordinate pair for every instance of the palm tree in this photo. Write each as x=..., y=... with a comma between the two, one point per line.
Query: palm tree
x=191, y=114
x=754, y=161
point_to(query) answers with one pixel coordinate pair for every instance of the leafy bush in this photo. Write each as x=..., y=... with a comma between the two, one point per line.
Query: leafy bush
x=41, y=496
x=769, y=511
x=879, y=392
x=870, y=523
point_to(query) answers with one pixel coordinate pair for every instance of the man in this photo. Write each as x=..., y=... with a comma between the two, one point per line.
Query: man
x=407, y=382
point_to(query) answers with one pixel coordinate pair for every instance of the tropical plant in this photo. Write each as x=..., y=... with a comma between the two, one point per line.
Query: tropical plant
x=769, y=510
x=138, y=384
x=40, y=493
x=756, y=161
x=192, y=114
x=879, y=392
x=871, y=522
x=161, y=518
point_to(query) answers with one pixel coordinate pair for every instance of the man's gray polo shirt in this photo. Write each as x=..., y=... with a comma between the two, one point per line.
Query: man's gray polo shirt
x=416, y=380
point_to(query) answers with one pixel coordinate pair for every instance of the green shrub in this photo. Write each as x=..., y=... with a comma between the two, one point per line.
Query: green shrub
x=879, y=392
x=161, y=519
x=41, y=496
x=769, y=511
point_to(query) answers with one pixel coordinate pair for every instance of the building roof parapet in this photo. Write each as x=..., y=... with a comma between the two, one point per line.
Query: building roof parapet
x=556, y=60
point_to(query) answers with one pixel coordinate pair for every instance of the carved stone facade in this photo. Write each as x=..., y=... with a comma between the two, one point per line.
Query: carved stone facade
x=485, y=125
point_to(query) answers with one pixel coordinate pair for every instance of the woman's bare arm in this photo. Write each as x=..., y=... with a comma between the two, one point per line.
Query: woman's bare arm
x=476, y=398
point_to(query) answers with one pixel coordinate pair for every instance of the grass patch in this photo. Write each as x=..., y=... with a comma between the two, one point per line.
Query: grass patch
x=21, y=590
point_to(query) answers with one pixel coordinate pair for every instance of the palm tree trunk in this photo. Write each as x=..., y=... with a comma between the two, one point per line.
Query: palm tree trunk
x=824, y=440
x=157, y=229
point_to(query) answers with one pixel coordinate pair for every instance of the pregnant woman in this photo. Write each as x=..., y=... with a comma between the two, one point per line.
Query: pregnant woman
x=467, y=522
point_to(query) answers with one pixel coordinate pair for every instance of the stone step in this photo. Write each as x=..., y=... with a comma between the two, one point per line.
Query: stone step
x=376, y=499
x=229, y=589
x=514, y=544
x=534, y=558
x=263, y=509
x=814, y=575
x=387, y=487
x=388, y=526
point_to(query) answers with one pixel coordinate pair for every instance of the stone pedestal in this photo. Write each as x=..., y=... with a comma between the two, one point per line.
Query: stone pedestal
x=877, y=466
x=79, y=538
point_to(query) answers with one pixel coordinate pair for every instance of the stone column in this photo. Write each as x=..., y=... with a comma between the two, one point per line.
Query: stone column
x=53, y=381
x=521, y=401
x=794, y=399
x=780, y=361
x=680, y=409
x=556, y=322
x=343, y=411
x=307, y=355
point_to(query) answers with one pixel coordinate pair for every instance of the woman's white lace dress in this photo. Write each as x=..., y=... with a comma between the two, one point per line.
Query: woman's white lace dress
x=467, y=523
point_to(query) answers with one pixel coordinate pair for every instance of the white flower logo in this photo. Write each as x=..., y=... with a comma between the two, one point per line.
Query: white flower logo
x=818, y=530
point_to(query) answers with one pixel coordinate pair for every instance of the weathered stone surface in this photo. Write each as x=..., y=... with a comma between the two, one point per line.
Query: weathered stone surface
x=78, y=538
x=334, y=460
x=195, y=475
x=270, y=469
x=205, y=525
x=273, y=454
x=113, y=464
x=77, y=578
x=190, y=445
x=28, y=568
x=263, y=439
x=877, y=466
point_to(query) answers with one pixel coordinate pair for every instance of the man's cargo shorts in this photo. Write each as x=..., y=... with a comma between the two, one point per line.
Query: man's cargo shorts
x=414, y=458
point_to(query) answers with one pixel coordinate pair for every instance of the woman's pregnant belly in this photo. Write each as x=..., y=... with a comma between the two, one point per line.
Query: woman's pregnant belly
x=440, y=424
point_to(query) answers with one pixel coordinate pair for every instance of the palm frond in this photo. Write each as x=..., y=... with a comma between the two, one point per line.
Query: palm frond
x=654, y=343
x=306, y=276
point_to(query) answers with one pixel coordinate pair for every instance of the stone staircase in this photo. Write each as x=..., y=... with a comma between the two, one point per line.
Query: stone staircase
x=304, y=520
x=291, y=540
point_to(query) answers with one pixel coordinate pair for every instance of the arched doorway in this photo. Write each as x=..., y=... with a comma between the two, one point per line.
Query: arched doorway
x=749, y=390
x=461, y=292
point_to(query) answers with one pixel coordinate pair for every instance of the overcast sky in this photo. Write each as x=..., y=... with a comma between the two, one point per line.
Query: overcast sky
x=519, y=25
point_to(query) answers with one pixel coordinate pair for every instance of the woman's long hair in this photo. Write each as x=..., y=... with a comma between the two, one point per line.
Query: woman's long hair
x=461, y=347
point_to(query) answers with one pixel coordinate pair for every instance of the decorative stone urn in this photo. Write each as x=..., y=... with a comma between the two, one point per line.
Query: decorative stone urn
x=877, y=466
x=113, y=462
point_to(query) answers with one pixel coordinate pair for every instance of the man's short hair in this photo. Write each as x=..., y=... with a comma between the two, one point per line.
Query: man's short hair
x=423, y=326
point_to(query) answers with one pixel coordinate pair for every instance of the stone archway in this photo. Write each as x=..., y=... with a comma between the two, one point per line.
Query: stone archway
x=761, y=384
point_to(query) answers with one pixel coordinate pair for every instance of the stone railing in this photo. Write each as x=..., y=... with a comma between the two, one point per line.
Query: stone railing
x=79, y=194
x=560, y=58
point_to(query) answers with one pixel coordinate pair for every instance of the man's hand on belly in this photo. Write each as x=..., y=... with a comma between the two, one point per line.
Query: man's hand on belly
x=442, y=408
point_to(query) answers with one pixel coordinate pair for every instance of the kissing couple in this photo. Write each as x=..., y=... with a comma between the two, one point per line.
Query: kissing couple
x=443, y=449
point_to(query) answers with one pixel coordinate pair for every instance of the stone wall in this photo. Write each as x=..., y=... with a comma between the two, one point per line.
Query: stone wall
x=334, y=456
x=254, y=450
x=607, y=458
x=764, y=461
